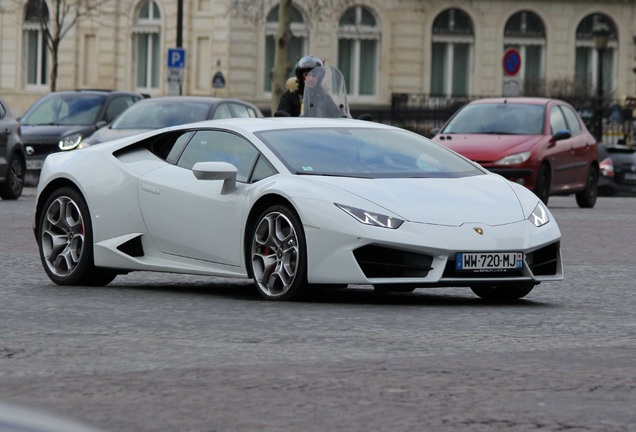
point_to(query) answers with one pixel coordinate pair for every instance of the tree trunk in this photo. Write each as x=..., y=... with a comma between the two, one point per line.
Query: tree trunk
x=54, y=65
x=280, y=71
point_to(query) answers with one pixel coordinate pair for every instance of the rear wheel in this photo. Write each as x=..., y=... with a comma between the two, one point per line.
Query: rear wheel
x=11, y=189
x=587, y=197
x=542, y=184
x=502, y=292
x=65, y=241
x=278, y=256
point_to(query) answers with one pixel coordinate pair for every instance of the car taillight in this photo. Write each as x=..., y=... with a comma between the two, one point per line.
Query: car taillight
x=607, y=167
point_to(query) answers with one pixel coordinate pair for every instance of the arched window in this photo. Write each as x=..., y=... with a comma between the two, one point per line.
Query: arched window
x=525, y=32
x=359, y=51
x=35, y=48
x=146, y=36
x=587, y=55
x=452, y=51
x=297, y=45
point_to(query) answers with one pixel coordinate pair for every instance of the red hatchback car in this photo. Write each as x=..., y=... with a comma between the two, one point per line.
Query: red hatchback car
x=538, y=142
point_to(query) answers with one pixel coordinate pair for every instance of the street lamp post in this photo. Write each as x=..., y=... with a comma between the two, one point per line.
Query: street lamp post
x=600, y=35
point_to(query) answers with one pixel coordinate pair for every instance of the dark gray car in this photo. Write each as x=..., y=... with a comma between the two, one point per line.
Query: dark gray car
x=618, y=170
x=12, y=155
x=160, y=112
x=61, y=120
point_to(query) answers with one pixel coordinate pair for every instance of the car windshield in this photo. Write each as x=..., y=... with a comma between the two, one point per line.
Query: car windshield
x=498, y=118
x=364, y=152
x=77, y=109
x=160, y=114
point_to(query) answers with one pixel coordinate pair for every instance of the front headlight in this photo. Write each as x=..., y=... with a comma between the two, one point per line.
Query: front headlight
x=539, y=215
x=514, y=159
x=371, y=218
x=70, y=142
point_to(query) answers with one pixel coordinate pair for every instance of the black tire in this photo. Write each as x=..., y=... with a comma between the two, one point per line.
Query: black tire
x=542, y=184
x=12, y=187
x=587, y=197
x=278, y=254
x=502, y=293
x=65, y=241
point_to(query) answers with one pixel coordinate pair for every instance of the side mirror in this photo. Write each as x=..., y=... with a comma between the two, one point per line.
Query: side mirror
x=435, y=131
x=217, y=171
x=366, y=117
x=560, y=135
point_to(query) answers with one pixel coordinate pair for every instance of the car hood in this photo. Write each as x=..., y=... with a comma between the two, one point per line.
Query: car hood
x=108, y=134
x=488, y=198
x=487, y=148
x=39, y=133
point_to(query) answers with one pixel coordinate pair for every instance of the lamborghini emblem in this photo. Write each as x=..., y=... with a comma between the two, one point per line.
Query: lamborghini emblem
x=479, y=230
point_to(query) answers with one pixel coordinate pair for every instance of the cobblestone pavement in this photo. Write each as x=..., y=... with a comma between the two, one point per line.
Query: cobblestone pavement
x=153, y=352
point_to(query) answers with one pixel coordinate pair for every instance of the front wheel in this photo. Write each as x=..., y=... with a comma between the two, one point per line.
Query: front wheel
x=502, y=292
x=65, y=241
x=587, y=197
x=278, y=256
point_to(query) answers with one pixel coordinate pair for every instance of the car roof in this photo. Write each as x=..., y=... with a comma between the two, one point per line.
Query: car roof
x=516, y=99
x=97, y=91
x=209, y=99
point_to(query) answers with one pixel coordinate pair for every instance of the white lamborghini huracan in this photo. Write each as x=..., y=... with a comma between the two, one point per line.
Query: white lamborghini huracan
x=292, y=203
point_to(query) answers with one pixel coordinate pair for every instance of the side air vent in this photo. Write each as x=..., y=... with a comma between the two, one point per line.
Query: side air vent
x=382, y=262
x=132, y=247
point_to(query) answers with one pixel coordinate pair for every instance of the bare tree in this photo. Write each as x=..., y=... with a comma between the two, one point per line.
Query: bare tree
x=254, y=11
x=55, y=26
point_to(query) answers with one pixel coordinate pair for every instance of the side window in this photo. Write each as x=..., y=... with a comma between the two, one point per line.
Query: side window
x=177, y=148
x=222, y=112
x=573, y=121
x=3, y=112
x=557, y=121
x=242, y=110
x=207, y=146
x=263, y=169
x=117, y=106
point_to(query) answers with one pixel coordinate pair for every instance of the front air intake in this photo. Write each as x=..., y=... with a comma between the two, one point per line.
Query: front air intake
x=543, y=262
x=383, y=262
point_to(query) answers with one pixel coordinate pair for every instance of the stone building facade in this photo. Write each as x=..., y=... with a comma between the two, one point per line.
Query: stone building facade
x=437, y=47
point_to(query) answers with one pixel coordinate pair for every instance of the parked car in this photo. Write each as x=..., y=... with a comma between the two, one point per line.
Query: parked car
x=292, y=203
x=12, y=155
x=157, y=113
x=540, y=143
x=61, y=120
x=618, y=170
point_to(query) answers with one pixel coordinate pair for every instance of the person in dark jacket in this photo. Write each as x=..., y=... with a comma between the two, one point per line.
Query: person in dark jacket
x=290, y=102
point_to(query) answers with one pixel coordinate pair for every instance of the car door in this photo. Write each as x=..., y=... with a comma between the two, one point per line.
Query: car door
x=561, y=153
x=193, y=218
x=582, y=146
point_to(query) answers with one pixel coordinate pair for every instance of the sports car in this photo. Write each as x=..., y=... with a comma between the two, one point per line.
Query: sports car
x=292, y=203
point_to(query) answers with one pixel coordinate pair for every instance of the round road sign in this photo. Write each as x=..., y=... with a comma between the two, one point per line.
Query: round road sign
x=511, y=62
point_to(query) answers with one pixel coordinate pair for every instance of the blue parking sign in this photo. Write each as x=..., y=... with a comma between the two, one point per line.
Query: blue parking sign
x=176, y=58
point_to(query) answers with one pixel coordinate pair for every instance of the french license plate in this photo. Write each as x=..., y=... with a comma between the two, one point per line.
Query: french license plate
x=488, y=261
x=629, y=176
x=33, y=164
